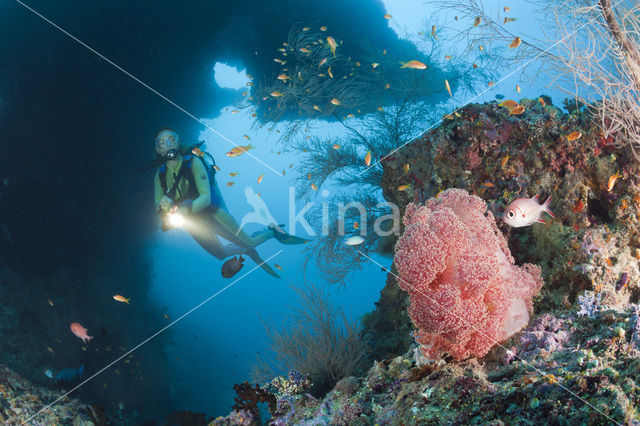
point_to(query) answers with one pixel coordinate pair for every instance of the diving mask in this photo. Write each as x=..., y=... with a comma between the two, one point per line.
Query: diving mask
x=167, y=144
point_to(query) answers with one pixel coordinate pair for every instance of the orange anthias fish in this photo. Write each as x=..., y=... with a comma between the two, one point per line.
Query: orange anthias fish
x=80, y=332
x=446, y=86
x=526, y=211
x=334, y=101
x=515, y=43
x=416, y=65
x=612, y=181
x=517, y=110
x=509, y=104
x=387, y=16
x=260, y=178
x=332, y=44
x=367, y=159
x=239, y=150
x=197, y=151
x=121, y=298
x=574, y=136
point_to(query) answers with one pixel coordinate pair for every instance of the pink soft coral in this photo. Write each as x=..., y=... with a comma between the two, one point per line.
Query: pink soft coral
x=466, y=293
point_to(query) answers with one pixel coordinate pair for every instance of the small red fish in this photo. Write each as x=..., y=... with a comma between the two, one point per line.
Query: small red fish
x=80, y=332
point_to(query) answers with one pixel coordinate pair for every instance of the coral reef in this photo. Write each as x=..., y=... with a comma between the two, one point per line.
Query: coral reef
x=248, y=399
x=485, y=150
x=568, y=369
x=387, y=329
x=20, y=400
x=577, y=362
x=466, y=293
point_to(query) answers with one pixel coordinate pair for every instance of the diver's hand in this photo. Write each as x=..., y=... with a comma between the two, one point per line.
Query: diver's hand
x=165, y=204
x=183, y=210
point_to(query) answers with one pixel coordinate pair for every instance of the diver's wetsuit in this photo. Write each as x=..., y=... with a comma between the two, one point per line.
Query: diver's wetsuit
x=206, y=224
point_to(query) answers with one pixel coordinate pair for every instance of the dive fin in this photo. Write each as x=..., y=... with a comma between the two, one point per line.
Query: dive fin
x=253, y=254
x=285, y=238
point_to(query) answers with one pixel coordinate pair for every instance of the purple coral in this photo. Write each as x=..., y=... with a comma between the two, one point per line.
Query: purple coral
x=544, y=334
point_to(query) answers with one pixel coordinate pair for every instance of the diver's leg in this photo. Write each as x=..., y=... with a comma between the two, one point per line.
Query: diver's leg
x=204, y=231
x=229, y=230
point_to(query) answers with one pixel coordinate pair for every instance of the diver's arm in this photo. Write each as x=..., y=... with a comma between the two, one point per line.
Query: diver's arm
x=201, y=179
x=158, y=193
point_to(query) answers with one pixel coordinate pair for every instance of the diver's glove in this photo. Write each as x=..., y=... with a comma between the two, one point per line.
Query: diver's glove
x=164, y=204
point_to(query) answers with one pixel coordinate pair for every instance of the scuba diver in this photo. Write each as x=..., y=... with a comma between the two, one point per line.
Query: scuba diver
x=185, y=187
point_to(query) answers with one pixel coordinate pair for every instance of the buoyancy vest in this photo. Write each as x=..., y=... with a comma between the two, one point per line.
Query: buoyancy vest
x=187, y=173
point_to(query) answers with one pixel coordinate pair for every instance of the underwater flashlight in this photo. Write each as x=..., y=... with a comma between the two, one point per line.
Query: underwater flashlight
x=176, y=219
